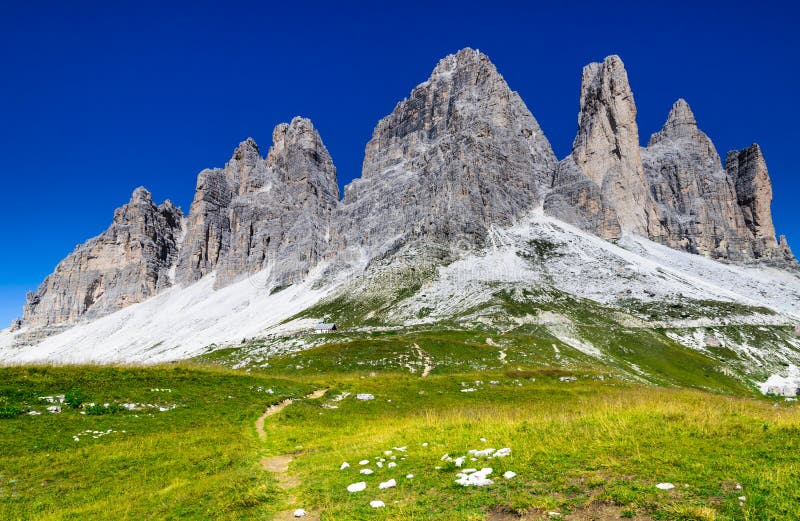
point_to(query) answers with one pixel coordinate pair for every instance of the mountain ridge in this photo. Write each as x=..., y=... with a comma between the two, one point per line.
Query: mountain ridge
x=461, y=157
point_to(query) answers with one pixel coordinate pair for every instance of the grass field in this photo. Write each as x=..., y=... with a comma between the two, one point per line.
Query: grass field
x=585, y=443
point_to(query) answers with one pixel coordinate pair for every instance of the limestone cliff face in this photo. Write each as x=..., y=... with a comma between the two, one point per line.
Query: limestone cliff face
x=259, y=213
x=128, y=263
x=601, y=186
x=696, y=198
x=463, y=153
x=748, y=172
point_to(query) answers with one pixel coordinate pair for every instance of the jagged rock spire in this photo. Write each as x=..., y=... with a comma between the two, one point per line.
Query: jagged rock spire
x=680, y=123
x=747, y=169
x=601, y=186
x=258, y=211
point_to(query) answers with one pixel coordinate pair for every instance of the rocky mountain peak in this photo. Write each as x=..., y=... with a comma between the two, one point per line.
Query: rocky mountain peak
x=259, y=212
x=601, y=186
x=127, y=263
x=466, y=59
x=680, y=123
x=460, y=154
x=247, y=151
x=141, y=194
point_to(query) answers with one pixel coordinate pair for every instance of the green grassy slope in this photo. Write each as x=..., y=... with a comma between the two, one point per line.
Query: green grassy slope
x=196, y=461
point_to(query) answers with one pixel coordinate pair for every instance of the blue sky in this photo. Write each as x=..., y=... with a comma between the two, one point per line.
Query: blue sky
x=97, y=98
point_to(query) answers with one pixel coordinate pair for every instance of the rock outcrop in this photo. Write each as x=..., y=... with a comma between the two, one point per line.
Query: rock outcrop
x=263, y=212
x=696, y=199
x=748, y=172
x=128, y=263
x=462, y=154
x=601, y=185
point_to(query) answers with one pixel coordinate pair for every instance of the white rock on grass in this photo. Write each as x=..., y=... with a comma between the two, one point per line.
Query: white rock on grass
x=344, y=465
x=366, y=472
x=377, y=504
x=509, y=474
x=365, y=397
x=357, y=487
x=665, y=486
x=481, y=453
x=55, y=409
x=476, y=479
x=387, y=484
x=502, y=453
x=409, y=476
x=364, y=462
x=299, y=513
x=392, y=464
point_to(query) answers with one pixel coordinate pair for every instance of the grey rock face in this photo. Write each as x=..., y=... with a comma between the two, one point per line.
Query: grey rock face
x=128, y=263
x=748, y=172
x=601, y=186
x=263, y=212
x=461, y=154
x=695, y=197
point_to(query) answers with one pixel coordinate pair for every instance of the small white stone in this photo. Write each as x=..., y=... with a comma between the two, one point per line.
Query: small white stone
x=665, y=486
x=387, y=484
x=344, y=466
x=409, y=476
x=366, y=471
x=377, y=504
x=364, y=462
x=392, y=464
x=357, y=487
x=299, y=513
x=509, y=474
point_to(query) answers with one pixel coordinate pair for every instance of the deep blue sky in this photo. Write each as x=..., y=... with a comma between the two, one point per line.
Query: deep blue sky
x=97, y=98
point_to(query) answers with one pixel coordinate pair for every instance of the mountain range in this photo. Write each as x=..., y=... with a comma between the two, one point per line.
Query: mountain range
x=459, y=185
